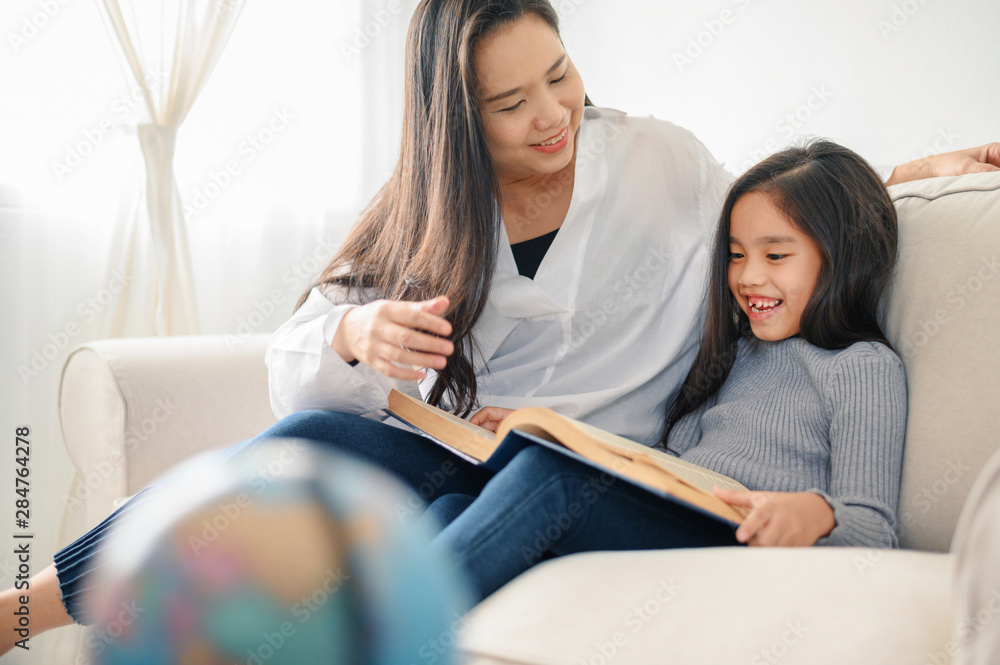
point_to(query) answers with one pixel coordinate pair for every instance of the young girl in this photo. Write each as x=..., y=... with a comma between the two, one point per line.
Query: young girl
x=795, y=392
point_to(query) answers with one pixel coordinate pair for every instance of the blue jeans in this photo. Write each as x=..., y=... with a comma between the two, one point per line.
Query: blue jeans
x=429, y=470
x=544, y=504
x=540, y=505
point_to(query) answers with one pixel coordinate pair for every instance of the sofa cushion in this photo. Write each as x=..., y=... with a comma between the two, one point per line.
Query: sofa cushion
x=943, y=319
x=977, y=576
x=719, y=605
x=131, y=408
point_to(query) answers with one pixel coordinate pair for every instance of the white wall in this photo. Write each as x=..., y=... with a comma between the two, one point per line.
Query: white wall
x=891, y=79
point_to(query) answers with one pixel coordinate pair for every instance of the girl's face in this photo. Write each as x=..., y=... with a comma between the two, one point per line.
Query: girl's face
x=532, y=99
x=773, y=267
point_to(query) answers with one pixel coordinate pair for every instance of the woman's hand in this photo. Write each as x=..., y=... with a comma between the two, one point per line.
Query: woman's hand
x=386, y=334
x=490, y=417
x=971, y=160
x=784, y=519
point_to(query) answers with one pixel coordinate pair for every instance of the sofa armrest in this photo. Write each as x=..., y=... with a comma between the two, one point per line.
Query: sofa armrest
x=131, y=408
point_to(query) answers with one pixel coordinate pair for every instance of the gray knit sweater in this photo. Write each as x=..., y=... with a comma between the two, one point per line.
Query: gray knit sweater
x=794, y=417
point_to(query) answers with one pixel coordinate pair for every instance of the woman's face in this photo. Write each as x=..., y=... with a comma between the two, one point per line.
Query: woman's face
x=531, y=96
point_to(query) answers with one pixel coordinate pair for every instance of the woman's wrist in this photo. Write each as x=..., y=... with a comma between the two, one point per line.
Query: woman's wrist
x=339, y=343
x=915, y=170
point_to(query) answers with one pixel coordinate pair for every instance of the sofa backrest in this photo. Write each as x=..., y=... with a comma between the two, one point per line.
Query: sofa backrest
x=943, y=318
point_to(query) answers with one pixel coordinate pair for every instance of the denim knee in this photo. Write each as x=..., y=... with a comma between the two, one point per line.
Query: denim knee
x=539, y=462
x=315, y=424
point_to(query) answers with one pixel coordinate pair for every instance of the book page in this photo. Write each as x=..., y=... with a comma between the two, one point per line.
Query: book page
x=692, y=473
x=698, y=476
x=618, y=455
x=446, y=428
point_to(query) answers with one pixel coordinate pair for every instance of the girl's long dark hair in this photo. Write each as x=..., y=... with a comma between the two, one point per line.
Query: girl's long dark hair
x=835, y=197
x=434, y=227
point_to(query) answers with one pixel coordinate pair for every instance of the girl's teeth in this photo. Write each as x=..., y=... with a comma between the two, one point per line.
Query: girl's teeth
x=763, y=305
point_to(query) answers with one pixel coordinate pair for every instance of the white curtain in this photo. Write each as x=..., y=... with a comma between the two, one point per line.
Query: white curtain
x=169, y=48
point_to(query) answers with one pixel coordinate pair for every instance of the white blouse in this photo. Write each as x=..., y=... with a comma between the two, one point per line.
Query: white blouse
x=608, y=327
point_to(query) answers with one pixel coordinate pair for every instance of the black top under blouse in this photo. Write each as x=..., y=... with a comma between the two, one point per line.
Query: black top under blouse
x=528, y=254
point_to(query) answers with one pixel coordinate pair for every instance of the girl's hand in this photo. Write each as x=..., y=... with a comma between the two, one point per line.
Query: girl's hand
x=490, y=417
x=385, y=334
x=784, y=519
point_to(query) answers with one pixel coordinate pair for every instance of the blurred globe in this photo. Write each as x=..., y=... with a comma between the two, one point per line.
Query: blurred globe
x=282, y=553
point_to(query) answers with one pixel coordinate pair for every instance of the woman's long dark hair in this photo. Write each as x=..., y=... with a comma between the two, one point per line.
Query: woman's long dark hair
x=835, y=197
x=434, y=227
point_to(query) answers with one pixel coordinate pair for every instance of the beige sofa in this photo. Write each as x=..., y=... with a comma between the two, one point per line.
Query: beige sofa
x=130, y=408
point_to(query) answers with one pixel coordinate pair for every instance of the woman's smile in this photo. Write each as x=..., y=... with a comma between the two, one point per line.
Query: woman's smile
x=553, y=143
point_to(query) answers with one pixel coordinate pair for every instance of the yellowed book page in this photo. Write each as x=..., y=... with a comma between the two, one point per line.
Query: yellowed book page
x=653, y=475
x=655, y=468
x=651, y=467
x=447, y=428
x=692, y=473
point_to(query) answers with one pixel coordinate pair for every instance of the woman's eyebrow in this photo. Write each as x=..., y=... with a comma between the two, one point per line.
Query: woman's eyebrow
x=496, y=98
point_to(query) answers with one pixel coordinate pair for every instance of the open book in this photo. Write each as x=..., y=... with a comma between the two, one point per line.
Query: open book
x=655, y=471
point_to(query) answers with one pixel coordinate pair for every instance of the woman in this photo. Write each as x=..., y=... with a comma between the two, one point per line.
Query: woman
x=526, y=250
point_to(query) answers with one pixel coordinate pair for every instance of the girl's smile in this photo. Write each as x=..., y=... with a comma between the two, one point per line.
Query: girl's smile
x=773, y=266
x=761, y=308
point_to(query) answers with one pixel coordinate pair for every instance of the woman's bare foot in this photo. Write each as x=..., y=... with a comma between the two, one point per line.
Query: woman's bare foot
x=44, y=605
